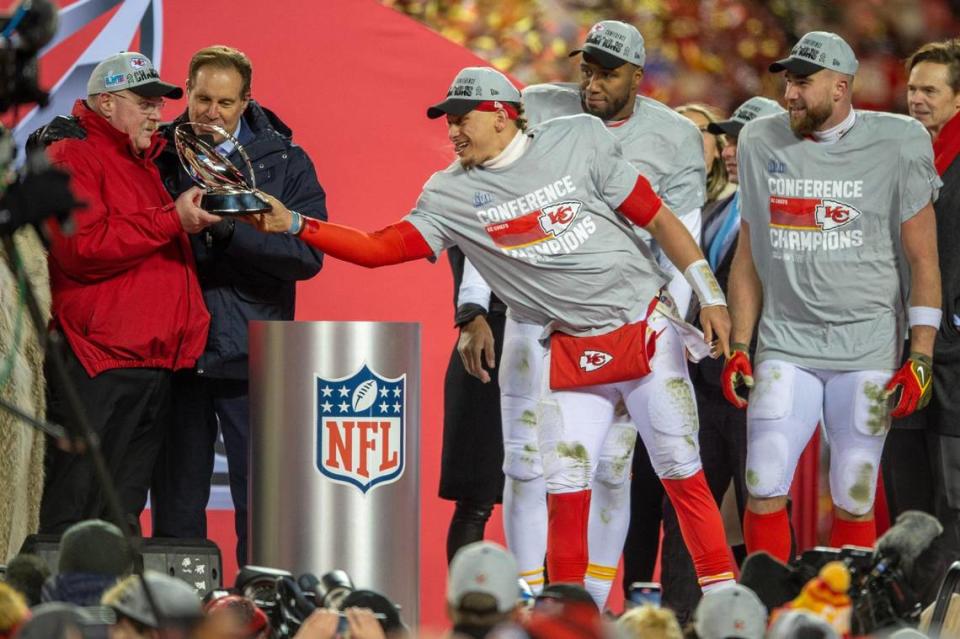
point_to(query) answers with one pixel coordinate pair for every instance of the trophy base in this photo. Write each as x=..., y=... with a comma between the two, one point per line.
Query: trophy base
x=234, y=203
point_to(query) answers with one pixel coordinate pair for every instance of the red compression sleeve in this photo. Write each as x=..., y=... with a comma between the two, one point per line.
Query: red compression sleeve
x=642, y=204
x=400, y=242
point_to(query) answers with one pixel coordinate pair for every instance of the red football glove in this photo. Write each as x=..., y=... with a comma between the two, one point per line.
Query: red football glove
x=736, y=372
x=915, y=379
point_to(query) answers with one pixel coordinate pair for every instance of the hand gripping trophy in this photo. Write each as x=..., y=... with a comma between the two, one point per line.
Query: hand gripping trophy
x=226, y=190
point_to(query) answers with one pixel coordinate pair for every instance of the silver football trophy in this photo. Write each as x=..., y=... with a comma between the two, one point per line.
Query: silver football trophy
x=226, y=190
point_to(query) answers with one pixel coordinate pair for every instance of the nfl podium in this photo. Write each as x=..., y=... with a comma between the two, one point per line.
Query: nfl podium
x=334, y=445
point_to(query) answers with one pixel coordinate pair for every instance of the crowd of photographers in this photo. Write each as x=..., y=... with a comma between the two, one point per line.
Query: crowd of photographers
x=96, y=591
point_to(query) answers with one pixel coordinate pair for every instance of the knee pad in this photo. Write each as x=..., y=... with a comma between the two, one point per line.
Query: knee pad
x=567, y=467
x=853, y=480
x=672, y=409
x=871, y=413
x=768, y=470
x=523, y=463
x=520, y=368
x=772, y=396
x=613, y=467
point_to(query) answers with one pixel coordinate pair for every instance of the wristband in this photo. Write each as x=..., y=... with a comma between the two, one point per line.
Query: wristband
x=704, y=284
x=296, y=223
x=924, y=316
x=466, y=312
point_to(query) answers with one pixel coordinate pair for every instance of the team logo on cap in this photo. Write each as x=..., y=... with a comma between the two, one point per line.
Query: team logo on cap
x=360, y=428
x=137, y=63
x=594, y=360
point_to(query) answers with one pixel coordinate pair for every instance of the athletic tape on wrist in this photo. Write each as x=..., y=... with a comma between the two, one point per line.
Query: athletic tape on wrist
x=704, y=284
x=924, y=316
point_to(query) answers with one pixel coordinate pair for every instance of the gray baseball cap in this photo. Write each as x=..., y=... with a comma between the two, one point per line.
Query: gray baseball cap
x=753, y=108
x=472, y=86
x=611, y=43
x=730, y=611
x=818, y=50
x=176, y=601
x=484, y=568
x=132, y=71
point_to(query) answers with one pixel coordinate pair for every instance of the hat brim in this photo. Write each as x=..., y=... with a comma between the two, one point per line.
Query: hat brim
x=158, y=89
x=457, y=106
x=795, y=65
x=725, y=127
x=451, y=106
x=596, y=55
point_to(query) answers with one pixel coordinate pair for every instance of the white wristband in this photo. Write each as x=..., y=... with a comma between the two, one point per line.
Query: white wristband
x=704, y=284
x=924, y=316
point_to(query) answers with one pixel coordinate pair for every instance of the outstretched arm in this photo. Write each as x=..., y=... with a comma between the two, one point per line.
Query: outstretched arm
x=400, y=242
x=644, y=208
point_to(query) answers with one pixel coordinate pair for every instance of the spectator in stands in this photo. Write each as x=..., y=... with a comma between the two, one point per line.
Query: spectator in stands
x=26, y=574
x=173, y=601
x=733, y=611
x=13, y=611
x=237, y=617
x=482, y=589
x=93, y=556
x=650, y=622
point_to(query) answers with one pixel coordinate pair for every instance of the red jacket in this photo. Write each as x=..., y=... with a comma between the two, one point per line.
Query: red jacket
x=124, y=283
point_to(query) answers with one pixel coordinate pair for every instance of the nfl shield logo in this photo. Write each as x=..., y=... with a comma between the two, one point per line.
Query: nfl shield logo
x=360, y=433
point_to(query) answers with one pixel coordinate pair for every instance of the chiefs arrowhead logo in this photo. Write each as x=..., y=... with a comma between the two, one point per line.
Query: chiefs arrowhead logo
x=831, y=214
x=556, y=218
x=593, y=360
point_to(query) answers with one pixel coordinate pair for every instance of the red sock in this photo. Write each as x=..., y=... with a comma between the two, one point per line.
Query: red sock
x=567, y=536
x=768, y=532
x=853, y=533
x=701, y=526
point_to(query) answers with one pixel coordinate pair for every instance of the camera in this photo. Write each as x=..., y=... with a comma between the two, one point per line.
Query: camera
x=286, y=601
x=880, y=592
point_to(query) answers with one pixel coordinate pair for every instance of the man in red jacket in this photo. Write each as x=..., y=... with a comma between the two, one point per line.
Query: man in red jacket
x=124, y=288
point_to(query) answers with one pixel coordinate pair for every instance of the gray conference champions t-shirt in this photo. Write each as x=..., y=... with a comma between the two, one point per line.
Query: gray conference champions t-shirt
x=663, y=145
x=825, y=236
x=543, y=232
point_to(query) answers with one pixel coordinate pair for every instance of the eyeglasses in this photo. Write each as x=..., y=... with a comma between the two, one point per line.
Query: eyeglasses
x=146, y=107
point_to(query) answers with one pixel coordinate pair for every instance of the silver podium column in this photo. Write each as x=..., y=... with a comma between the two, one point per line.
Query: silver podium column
x=334, y=445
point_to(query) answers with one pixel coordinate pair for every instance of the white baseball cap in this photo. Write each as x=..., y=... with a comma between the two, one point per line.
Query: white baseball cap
x=486, y=568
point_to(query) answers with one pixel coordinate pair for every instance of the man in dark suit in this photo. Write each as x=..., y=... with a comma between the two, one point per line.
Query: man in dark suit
x=921, y=458
x=245, y=276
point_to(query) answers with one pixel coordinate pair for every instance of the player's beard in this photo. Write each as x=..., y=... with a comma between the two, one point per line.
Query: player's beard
x=813, y=117
x=614, y=106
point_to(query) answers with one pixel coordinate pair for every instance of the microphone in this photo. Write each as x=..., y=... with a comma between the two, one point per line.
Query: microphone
x=900, y=546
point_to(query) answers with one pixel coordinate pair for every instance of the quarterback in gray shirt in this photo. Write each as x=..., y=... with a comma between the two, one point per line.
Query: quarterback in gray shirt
x=836, y=216
x=547, y=218
x=667, y=149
